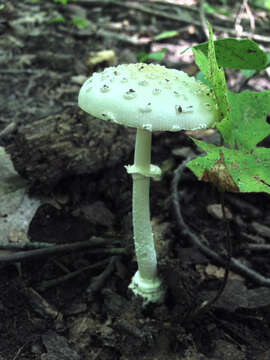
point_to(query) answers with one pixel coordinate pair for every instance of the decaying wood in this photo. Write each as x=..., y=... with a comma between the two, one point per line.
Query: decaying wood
x=66, y=144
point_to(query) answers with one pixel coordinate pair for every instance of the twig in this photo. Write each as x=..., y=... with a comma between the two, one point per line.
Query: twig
x=8, y=130
x=152, y=11
x=177, y=5
x=51, y=251
x=24, y=246
x=18, y=353
x=109, y=251
x=31, y=82
x=203, y=20
x=250, y=15
x=235, y=265
x=55, y=282
x=165, y=15
x=98, y=282
x=244, y=8
x=20, y=71
x=40, y=305
x=258, y=247
x=118, y=37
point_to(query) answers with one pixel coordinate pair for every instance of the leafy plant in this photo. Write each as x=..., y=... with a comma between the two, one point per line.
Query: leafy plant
x=157, y=55
x=79, y=23
x=56, y=19
x=236, y=54
x=263, y=3
x=239, y=165
x=63, y=2
x=210, y=9
x=166, y=35
x=248, y=73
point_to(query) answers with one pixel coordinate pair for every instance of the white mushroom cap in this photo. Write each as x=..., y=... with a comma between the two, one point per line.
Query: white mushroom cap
x=149, y=97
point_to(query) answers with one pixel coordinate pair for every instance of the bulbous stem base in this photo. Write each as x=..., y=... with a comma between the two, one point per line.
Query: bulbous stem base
x=150, y=290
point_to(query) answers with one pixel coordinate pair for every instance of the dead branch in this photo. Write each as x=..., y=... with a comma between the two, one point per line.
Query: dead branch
x=55, y=282
x=93, y=242
x=183, y=18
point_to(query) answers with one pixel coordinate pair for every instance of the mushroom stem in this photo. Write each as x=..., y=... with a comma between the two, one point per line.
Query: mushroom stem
x=145, y=282
x=143, y=236
x=142, y=156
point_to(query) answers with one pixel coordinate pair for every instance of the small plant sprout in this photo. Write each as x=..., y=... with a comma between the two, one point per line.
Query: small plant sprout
x=149, y=98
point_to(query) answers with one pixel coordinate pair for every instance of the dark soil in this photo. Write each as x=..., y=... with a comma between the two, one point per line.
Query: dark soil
x=77, y=305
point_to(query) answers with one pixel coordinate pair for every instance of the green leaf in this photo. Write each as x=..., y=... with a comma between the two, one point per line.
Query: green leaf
x=185, y=50
x=63, y=2
x=215, y=76
x=249, y=110
x=248, y=73
x=79, y=23
x=263, y=3
x=157, y=55
x=218, y=81
x=141, y=56
x=202, y=62
x=56, y=19
x=199, y=76
x=243, y=166
x=166, y=35
x=237, y=54
x=210, y=9
x=233, y=170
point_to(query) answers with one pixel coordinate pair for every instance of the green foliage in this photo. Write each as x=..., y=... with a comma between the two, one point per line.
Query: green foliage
x=210, y=9
x=240, y=165
x=156, y=56
x=233, y=170
x=263, y=3
x=166, y=35
x=63, y=2
x=200, y=77
x=79, y=23
x=249, y=110
x=237, y=54
x=249, y=73
x=216, y=78
x=56, y=20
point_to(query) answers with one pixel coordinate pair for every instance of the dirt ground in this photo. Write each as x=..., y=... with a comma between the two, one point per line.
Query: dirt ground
x=76, y=304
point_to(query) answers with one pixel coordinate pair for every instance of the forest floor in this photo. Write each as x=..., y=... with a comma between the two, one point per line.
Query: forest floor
x=77, y=305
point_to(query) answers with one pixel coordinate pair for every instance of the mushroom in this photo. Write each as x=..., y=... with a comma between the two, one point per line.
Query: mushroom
x=150, y=98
